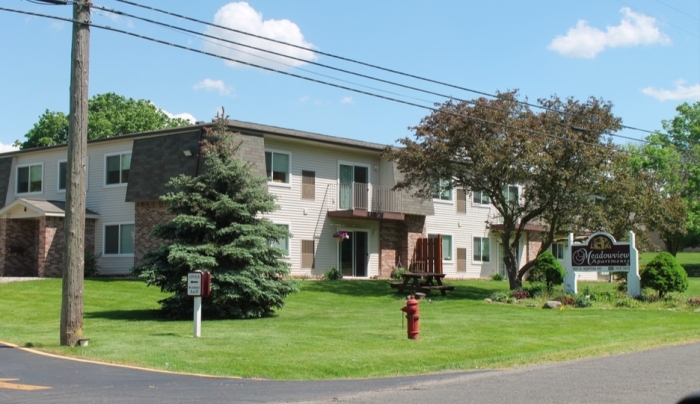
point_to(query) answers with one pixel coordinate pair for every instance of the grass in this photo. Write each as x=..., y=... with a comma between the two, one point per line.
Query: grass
x=343, y=329
x=689, y=260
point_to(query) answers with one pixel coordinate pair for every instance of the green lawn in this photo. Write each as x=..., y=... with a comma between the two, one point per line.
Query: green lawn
x=344, y=329
x=689, y=260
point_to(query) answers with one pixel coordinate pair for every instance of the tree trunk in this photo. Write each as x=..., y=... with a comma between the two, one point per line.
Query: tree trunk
x=74, y=247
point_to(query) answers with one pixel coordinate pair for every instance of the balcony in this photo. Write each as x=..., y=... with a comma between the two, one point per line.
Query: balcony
x=354, y=199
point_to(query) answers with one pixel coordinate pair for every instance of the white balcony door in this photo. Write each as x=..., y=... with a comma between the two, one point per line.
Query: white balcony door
x=353, y=184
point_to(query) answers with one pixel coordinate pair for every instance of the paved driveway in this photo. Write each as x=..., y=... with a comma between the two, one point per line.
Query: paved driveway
x=655, y=376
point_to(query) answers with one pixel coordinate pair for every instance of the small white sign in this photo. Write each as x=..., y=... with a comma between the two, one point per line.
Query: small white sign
x=194, y=284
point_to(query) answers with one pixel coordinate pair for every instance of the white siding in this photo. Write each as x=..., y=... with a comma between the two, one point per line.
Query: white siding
x=107, y=202
x=308, y=218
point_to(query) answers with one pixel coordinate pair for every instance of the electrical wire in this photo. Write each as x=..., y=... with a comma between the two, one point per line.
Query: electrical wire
x=108, y=28
x=118, y=12
x=349, y=59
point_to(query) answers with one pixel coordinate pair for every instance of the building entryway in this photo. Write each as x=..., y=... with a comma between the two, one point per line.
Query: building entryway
x=353, y=254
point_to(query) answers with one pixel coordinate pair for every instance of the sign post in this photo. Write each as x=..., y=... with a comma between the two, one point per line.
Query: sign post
x=601, y=253
x=198, y=285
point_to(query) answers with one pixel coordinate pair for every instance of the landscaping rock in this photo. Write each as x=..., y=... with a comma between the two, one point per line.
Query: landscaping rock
x=552, y=304
x=696, y=311
x=487, y=300
x=420, y=296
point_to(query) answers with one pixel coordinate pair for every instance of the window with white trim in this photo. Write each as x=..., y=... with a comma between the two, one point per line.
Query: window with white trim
x=482, y=249
x=282, y=243
x=63, y=174
x=119, y=239
x=446, y=246
x=481, y=198
x=558, y=250
x=277, y=166
x=511, y=194
x=117, y=168
x=443, y=190
x=30, y=178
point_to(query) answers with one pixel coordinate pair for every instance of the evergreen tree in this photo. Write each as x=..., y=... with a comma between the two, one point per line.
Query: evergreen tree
x=220, y=228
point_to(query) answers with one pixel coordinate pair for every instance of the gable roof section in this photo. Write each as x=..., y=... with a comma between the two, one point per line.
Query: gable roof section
x=5, y=171
x=32, y=208
x=155, y=160
x=412, y=204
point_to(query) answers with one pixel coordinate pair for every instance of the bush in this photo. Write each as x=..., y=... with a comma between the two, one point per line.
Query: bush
x=547, y=269
x=608, y=297
x=694, y=301
x=499, y=297
x=536, y=289
x=497, y=277
x=627, y=302
x=565, y=300
x=664, y=274
x=92, y=269
x=520, y=294
x=582, y=300
x=396, y=273
x=332, y=275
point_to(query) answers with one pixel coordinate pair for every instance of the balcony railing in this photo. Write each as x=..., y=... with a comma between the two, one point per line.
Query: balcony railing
x=373, y=198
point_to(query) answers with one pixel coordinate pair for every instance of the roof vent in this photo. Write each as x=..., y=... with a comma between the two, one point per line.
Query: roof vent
x=199, y=123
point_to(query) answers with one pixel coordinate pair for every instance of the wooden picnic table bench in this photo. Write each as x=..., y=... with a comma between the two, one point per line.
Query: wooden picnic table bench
x=422, y=282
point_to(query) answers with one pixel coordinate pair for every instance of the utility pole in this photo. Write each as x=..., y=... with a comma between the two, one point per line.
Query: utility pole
x=74, y=222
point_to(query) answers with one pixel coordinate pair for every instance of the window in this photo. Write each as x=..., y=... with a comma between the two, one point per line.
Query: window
x=119, y=239
x=558, y=250
x=511, y=194
x=29, y=178
x=281, y=243
x=277, y=166
x=482, y=249
x=446, y=246
x=481, y=198
x=63, y=174
x=117, y=169
x=443, y=190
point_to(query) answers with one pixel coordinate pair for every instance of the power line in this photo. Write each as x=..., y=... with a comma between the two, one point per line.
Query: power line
x=349, y=59
x=107, y=28
x=215, y=38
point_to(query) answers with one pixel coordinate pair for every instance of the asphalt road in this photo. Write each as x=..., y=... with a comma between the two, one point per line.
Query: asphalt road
x=656, y=376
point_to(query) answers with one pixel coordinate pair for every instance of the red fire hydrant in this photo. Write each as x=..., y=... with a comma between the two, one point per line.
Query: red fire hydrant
x=412, y=316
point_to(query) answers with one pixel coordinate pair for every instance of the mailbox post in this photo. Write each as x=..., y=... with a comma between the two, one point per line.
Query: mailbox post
x=198, y=285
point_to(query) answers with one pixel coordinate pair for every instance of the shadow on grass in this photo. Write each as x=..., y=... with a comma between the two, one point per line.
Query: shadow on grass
x=376, y=288
x=693, y=270
x=128, y=315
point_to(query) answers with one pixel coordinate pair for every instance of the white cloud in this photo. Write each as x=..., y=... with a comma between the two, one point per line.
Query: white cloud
x=7, y=148
x=346, y=100
x=241, y=16
x=584, y=41
x=681, y=92
x=213, y=85
x=304, y=99
x=186, y=116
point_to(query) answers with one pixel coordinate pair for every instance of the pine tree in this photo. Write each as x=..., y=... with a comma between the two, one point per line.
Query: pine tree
x=219, y=227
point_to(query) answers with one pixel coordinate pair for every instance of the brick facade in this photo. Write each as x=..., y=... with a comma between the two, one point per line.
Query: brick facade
x=397, y=240
x=534, y=242
x=147, y=215
x=34, y=247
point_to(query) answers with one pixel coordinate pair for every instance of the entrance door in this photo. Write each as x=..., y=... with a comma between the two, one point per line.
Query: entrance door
x=354, y=254
x=353, y=186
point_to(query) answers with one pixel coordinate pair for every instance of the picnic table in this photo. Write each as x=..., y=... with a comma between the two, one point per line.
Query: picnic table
x=422, y=282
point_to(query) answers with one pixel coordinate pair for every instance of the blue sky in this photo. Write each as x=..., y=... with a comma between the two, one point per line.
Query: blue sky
x=642, y=55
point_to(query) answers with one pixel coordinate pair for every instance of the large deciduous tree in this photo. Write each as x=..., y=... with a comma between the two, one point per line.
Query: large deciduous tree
x=108, y=115
x=219, y=228
x=557, y=157
x=673, y=157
